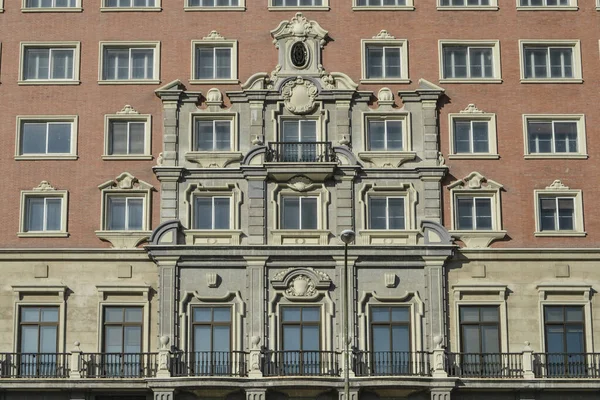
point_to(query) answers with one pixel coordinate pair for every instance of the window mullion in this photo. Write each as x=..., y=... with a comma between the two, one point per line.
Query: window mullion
x=548, y=63
x=130, y=66
x=474, y=212
x=214, y=62
x=471, y=137
x=212, y=224
x=468, y=63
x=553, y=143
x=300, y=217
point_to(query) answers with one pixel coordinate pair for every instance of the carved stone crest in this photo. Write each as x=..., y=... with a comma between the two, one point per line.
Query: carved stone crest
x=301, y=286
x=299, y=95
x=300, y=183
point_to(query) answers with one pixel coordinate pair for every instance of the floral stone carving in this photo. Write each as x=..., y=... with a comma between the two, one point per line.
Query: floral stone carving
x=299, y=95
x=301, y=286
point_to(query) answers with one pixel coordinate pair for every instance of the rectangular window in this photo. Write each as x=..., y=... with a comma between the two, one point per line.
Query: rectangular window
x=125, y=213
x=38, y=341
x=51, y=138
x=383, y=62
x=296, y=3
x=548, y=136
x=213, y=63
x=49, y=63
x=385, y=135
x=564, y=331
x=301, y=340
x=380, y=3
x=122, y=341
x=212, y=135
x=213, y=3
x=386, y=213
x=468, y=62
x=212, y=212
x=43, y=214
x=557, y=60
x=474, y=213
x=211, y=340
x=544, y=3
x=390, y=340
x=129, y=3
x=299, y=213
x=299, y=141
x=126, y=137
x=128, y=64
x=480, y=341
x=471, y=136
x=50, y=3
x=465, y=3
x=557, y=213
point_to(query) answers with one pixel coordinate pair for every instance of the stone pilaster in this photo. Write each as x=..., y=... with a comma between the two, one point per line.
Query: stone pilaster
x=435, y=297
x=344, y=204
x=257, y=217
x=167, y=297
x=432, y=195
x=257, y=122
x=255, y=283
x=342, y=122
x=430, y=129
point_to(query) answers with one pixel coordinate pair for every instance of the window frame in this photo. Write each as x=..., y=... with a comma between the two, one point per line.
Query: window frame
x=154, y=45
x=471, y=113
x=157, y=7
x=128, y=114
x=404, y=118
x=323, y=7
x=38, y=323
x=558, y=190
x=409, y=6
x=301, y=323
x=240, y=7
x=73, y=45
x=127, y=197
x=493, y=6
x=213, y=197
x=122, y=324
x=405, y=202
x=488, y=43
x=72, y=119
x=215, y=40
x=479, y=324
x=384, y=39
x=214, y=117
x=579, y=119
x=545, y=43
x=573, y=6
x=44, y=190
x=25, y=9
x=300, y=201
x=390, y=323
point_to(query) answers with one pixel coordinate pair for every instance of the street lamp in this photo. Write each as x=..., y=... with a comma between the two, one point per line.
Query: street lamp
x=347, y=236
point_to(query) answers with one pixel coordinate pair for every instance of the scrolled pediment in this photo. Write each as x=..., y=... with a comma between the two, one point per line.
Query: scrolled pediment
x=301, y=282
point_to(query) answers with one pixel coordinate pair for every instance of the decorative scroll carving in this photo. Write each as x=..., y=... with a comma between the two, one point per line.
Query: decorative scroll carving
x=128, y=110
x=383, y=34
x=472, y=109
x=44, y=186
x=301, y=286
x=299, y=95
x=214, y=35
x=557, y=185
x=300, y=183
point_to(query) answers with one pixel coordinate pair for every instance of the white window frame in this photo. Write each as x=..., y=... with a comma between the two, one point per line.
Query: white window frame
x=126, y=197
x=154, y=45
x=571, y=7
x=240, y=7
x=300, y=201
x=157, y=7
x=472, y=113
x=558, y=190
x=385, y=118
x=576, y=62
x=214, y=158
x=44, y=190
x=324, y=6
x=496, y=64
x=579, y=119
x=215, y=40
x=75, y=46
x=408, y=6
x=71, y=155
x=493, y=6
x=384, y=39
x=24, y=8
x=231, y=216
x=128, y=114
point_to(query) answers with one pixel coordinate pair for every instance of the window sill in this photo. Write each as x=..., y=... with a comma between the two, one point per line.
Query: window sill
x=556, y=156
x=386, y=159
x=297, y=236
x=45, y=157
x=127, y=157
x=378, y=8
x=473, y=156
x=214, y=9
x=388, y=237
x=43, y=234
x=213, y=159
x=124, y=239
x=130, y=82
x=384, y=81
x=47, y=82
x=475, y=80
x=560, y=233
x=551, y=80
x=51, y=9
x=214, y=81
x=130, y=9
x=216, y=237
x=478, y=239
x=309, y=8
x=467, y=8
x=551, y=8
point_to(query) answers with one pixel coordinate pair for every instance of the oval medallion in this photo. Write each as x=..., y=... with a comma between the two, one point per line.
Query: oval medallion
x=299, y=54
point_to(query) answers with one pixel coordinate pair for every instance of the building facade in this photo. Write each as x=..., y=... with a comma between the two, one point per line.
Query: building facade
x=177, y=190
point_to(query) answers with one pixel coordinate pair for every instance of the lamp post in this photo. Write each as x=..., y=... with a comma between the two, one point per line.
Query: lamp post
x=347, y=236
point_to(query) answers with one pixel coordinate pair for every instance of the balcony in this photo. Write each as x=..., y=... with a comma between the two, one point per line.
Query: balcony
x=34, y=365
x=300, y=363
x=206, y=363
x=391, y=363
x=484, y=365
x=118, y=365
x=567, y=365
x=284, y=160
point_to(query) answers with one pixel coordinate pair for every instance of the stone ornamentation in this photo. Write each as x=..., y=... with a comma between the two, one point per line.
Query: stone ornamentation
x=471, y=109
x=383, y=34
x=214, y=98
x=301, y=286
x=557, y=185
x=299, y=54
x=299, y=95
x=128, y=110
x=214, y=35
x=300, y=184
x=44, y=186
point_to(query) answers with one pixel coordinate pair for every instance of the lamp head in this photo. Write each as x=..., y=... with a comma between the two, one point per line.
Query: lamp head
x=347, y=236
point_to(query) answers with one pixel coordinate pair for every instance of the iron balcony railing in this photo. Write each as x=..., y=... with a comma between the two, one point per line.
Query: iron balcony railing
x=300, y=152
x=566, y=365
x=209, y=363
x=300, y=363
x=118, y=365
x=485, y=365
x=34, y=365
x=387, y=363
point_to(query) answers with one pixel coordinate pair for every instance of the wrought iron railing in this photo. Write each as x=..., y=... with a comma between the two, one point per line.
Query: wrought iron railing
x=300, y=363
x=209, y=363
x=382, y=363
x=566, y=365
x=118, y=365
x=485, y=365
x=300, y=152
x=34, y=365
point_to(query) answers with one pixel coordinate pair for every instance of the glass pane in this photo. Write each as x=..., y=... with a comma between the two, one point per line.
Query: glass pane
x=469, y=314
x=222, y=213
x=37, y=63
x=223, y=135
x=455, y=62
x=49, y=314
x=116, y=64
x=30, y=314
x=566, y=214
x=113, y=339
x=290, y=210
x=489, y=314
x=310, y=338
x=555, y=339
x=400, y=314
x=59, y=138
x=202, y=314
x=480, y=137
x=202, y=338
x=204, y=135
x=204, y=63
x=203, y=213
x=380, y=314
x=62, y=64
x=565, y=137
x=223, y=63
x=311, y=314
x=490, y=339
x=29, y=339
x=374, y=62
x=481, y=63
x=33, y=138
x=377, y=216
x=291, y=131
x=133, y=314
x=575, y=339
x=116, y=213
x=535, y=62
x=117, y=141
x=381, y=338
x=290, y=314
x=462, y=136
x=136, y=137
x=561, y=63
x=547, y=214
x=464, y=208
x=394, y=135
x=392, y=62
x=34, y=214
x=135, y=214
x=470, y=339
x=574, y=314
x=113, y=314
x=396, y=213
x=221, y=338
x=221, y=314
x=309, y=213
x=48, y=339
x=291, y=337
x=53, y=214
x=308, y=131
x=133, y=339
x=554, y=314
x=400, y=338
x=376, y=135
x=483, y=210
x=142, y=63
